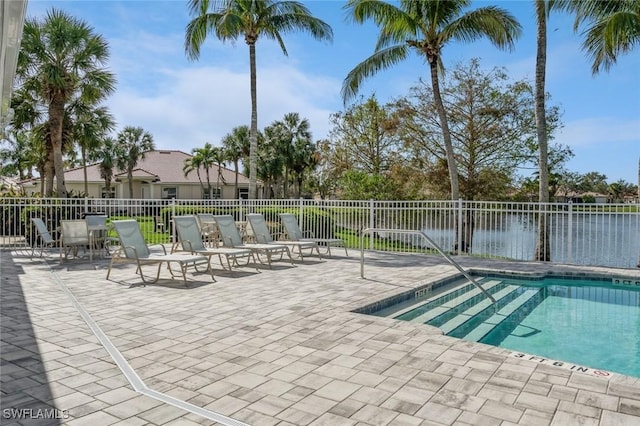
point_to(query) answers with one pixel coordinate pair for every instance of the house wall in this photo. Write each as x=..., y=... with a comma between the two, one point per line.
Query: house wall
x=140, y=190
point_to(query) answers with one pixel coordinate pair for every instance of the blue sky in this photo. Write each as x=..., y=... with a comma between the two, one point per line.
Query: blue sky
x=185, y=104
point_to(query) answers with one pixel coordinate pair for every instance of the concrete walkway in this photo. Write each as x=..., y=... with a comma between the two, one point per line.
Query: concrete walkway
x=280, y=347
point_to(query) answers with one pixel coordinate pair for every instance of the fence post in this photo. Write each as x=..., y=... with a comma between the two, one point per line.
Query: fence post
x=570, y=233
x=173, y=214
x=458, y=242
x=300, y=213
x=86, y=204
x=372, y=223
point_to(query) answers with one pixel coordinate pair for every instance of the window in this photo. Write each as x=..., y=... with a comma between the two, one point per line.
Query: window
x=243, y=193
x=169, y=192
x=215, y=192
x=105, y=194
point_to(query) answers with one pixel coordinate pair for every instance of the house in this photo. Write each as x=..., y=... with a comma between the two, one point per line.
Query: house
x=581, y=197
x=158, y=176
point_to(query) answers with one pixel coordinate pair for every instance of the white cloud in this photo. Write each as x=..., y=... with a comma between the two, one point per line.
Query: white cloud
x=198, y=105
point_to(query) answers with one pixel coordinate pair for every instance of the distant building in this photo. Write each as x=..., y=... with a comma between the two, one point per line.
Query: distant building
x=158, y=176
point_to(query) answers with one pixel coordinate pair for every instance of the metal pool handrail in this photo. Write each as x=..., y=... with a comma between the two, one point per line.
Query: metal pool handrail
x=430, y=241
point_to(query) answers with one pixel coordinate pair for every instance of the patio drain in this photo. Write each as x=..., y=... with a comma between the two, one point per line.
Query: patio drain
x=136, y=382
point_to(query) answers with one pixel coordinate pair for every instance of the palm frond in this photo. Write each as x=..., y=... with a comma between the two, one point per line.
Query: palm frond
x=381, y=59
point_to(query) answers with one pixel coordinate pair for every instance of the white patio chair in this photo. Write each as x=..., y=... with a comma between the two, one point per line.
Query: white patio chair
x=190, y=240
x=74, y=234
x=133, y=248
x=97, y=225
x=43, y=236
x=208, y=229
x=262, y=235
x=294, y=233
x=231, y=238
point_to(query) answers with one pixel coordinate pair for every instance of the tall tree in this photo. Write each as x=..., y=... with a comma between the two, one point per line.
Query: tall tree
x=492, y=125
x=366, y=134
x=236, y=145
x=106, y=157
x=232, y=19
x=296, y=148
x=90, y=127
x=194, y=163
x=60, y=57
x=219, y=157
x=132, y=144
x=543, y=249
x=426, y=27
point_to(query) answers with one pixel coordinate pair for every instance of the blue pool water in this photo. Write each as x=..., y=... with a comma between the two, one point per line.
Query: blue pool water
x=588, y=322
x=597, y=326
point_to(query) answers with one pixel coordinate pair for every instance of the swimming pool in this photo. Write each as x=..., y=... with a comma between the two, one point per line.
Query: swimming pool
x=590, y=321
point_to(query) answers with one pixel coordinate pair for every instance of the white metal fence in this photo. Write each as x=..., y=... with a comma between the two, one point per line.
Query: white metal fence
x=582, y=234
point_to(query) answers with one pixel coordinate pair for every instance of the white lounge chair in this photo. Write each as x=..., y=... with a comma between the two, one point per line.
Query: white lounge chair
x=190, y=240
x=231, y=238
x=133, y=248
x=294, y=233
x=43, y=237
x=262, y=235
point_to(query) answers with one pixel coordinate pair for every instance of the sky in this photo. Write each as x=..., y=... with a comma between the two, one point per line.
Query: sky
x=185, y=103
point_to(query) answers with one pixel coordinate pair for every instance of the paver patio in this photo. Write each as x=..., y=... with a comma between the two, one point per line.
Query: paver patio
x=279, y=347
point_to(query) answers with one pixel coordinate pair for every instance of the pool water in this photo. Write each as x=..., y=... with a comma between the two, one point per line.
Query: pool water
x=589, y=322
x=594, y=326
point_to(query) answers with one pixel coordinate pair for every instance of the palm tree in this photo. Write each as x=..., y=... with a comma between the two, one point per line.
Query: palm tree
x=296, y=134
x=131, y=145
x=193, y=163
x=612, y=28
x=543, y=248
x=106, y=156
x=236, y=146
x=232, y=19
x=426, y=27
x=61, y=57
x=297, y=146
x=90, y=125
x=219, y=157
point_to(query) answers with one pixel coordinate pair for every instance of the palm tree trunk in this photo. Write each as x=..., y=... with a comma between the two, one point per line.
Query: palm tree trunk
x=56, y=116
x=130, y=178
x=253, y=133
x=446, y=134
x=50, y=172
x=235, y=182
x=448, y=146
x=209, y=184
x=83, y=152
x=542, y=252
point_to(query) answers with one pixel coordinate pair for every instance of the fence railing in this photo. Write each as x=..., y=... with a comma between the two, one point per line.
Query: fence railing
x=581, y=234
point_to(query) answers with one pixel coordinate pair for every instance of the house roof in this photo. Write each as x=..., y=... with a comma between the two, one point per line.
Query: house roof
x=165, y=165
x=138, y=173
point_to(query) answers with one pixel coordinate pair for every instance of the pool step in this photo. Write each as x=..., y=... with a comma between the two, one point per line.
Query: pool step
x=481, y=330
x=444, y=305
x=478, y=308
